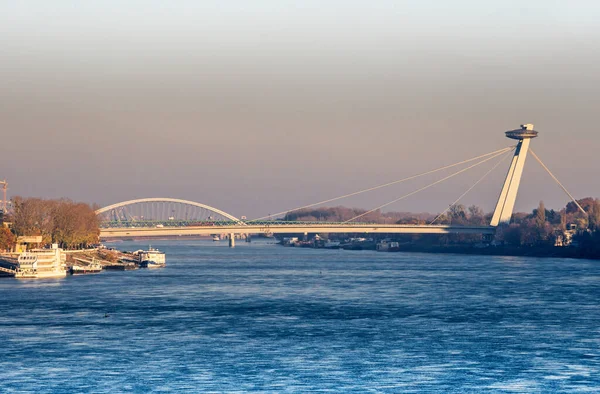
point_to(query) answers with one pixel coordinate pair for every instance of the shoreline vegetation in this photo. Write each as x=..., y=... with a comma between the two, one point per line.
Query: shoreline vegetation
x=71, y=225
x=479, y=250
x=567, y=233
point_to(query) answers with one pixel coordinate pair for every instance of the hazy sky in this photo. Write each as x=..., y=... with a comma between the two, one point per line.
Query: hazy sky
x=258, y=106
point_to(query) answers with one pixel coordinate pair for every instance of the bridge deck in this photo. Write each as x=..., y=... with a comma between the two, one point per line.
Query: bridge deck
x=294, y=229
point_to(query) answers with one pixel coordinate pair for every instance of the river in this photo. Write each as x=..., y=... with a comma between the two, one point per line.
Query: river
x=261, y=317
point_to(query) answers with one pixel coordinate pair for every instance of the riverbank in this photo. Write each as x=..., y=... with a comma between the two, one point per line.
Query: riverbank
x=475, y=249
x=79, y=261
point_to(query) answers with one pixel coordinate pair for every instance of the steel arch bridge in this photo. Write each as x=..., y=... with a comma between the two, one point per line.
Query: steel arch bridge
x=162, y=212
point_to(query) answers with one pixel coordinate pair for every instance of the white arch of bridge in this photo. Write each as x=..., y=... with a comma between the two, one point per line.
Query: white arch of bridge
x=173, y=200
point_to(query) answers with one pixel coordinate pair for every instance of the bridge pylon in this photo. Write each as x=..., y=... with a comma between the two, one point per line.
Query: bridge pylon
x=508, y=196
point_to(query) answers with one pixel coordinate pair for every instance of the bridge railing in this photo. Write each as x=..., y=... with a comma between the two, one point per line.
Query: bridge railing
x=165, y=223
x=218, y=223
x=228, y=223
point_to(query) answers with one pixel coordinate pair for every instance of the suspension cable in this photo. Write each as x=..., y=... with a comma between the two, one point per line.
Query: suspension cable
x=472, y=187
x=558, y=182
x=428, y=186
x=386, y=184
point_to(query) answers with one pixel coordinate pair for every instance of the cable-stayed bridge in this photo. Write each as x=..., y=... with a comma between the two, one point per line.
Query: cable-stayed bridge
x=159, y=217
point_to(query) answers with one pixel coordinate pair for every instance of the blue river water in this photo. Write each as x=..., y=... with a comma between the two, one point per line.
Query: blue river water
x=266, y=318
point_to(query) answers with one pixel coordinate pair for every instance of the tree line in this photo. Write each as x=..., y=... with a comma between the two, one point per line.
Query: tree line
x=457, y=215
x=543, y=226
x=540, y=227
x=65, y=222
x=342, y=214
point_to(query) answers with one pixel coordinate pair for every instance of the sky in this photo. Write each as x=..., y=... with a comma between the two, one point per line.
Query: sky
x=259, y=106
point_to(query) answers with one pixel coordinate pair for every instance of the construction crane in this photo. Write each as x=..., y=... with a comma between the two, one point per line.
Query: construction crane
x=4, y=189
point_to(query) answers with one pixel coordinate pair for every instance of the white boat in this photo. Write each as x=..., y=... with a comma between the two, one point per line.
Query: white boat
x=216, y=238
x=151, y=258
x=152, y=264
x=41, y=263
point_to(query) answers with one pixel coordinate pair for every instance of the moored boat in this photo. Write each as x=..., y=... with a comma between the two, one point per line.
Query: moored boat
x=388, y=246
x=153, y=264
x=151, y=258
x=41, y=264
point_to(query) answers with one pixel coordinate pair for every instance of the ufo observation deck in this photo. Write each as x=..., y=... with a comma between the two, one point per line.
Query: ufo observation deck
x=526, y=131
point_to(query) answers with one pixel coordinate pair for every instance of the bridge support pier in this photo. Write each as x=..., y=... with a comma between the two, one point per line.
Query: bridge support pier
x=232, y=240
x=508, y=196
